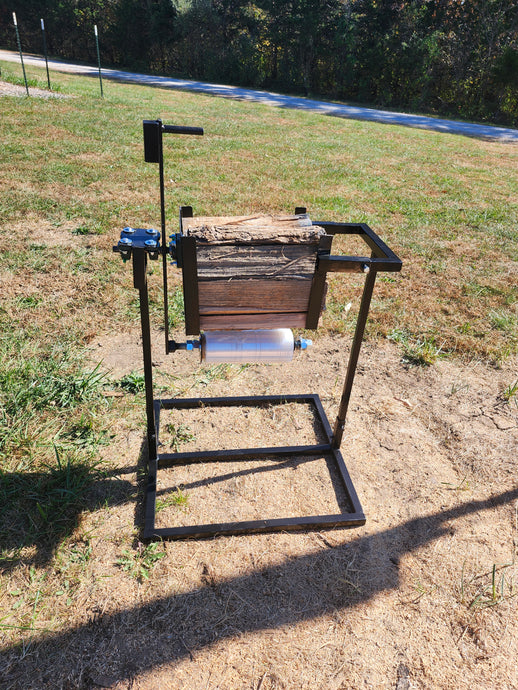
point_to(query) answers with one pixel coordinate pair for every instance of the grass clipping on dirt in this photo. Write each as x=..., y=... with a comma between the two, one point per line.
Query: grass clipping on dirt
x=424, y=594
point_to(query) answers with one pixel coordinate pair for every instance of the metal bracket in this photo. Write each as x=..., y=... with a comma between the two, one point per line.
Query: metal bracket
x=139, y=238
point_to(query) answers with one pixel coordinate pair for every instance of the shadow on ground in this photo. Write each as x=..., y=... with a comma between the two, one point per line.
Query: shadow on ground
x=140, y=638
x=39, y=509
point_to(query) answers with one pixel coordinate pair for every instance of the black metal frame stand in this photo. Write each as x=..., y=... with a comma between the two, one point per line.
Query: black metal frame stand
x=141, y=244
x=349, y=519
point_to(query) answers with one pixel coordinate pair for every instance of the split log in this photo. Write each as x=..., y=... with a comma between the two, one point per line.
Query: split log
x=258, y=229
x=254, y=271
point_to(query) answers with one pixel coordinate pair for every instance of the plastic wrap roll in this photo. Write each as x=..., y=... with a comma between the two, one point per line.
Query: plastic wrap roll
x=275, y=345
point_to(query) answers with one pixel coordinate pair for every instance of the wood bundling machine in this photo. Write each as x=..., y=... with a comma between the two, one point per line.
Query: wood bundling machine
x=247, y=282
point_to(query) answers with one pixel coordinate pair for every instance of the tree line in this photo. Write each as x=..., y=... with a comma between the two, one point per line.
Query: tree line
x=451, y=57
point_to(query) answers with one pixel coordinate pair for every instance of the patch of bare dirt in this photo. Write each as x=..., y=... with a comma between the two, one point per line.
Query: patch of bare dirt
x=7, y=89
x=422, y=596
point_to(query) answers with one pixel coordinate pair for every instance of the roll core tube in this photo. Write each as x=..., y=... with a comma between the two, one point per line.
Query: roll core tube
x=273, y=345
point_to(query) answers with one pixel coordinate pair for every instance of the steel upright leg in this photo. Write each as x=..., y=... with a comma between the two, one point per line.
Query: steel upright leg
x=353, y=358
x=140, y=282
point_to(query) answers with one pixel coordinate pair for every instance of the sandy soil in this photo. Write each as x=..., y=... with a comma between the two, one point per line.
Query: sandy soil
x=422, y=596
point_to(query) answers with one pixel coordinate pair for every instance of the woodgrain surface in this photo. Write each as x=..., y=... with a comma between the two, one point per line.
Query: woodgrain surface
x=243, y=321
x=256, y=229
x=253, y=296
x=275, y=261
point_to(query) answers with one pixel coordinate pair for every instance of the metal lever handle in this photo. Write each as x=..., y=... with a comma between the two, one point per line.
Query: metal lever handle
x=179, y=129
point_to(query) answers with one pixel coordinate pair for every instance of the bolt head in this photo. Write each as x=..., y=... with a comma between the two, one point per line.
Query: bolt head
x=128, y=231
x=125, y=241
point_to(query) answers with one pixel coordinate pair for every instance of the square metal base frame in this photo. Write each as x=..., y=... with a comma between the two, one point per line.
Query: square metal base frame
x=343, y=520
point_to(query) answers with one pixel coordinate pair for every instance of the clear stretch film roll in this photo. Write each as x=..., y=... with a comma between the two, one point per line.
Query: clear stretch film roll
x=275, y=345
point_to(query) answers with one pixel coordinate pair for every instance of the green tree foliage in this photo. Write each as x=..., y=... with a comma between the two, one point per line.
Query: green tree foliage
x=457, y=57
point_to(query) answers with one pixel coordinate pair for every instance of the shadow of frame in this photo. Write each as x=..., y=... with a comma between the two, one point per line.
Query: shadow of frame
x=174, y=627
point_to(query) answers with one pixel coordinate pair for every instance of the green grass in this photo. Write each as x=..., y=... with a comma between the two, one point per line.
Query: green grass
x=140, y=562
x=50, y=434
x=133, y=382
x=511, y=392
x=179, y=434
x=417, y=350
x=13, y=77
x=477, y=593
x=177, y=499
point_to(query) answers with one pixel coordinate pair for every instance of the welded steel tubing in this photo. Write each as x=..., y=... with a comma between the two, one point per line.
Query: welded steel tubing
x=353, y=358
x=140, y=282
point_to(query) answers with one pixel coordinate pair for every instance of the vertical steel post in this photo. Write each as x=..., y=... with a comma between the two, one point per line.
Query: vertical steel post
x=353, y=358
x=140, y=282
x=98, y=59
x=15, y=22
x=45, y=51
x=164, y=238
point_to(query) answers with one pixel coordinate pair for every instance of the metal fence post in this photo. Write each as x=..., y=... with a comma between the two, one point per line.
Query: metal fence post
x=15, y=22
x=45, y=51
x=98, y=58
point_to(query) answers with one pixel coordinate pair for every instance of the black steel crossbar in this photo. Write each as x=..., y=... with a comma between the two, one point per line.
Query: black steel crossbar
x=258, y=526
x=379, y=249
x=234, y=401
x=234, y=454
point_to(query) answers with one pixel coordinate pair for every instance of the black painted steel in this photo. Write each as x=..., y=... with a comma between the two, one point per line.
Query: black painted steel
x=164, y=236
x=151, y=140
x=318, y=286
x=180, y=129
x=233, y=454
x=390, y=262
x=154, y=153
x=234, y=401
x=190, y=285
x=314, y=522
x=140, y=282
x=353, y=358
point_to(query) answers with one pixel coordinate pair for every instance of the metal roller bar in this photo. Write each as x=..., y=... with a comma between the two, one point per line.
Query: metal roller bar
x=269, y=345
